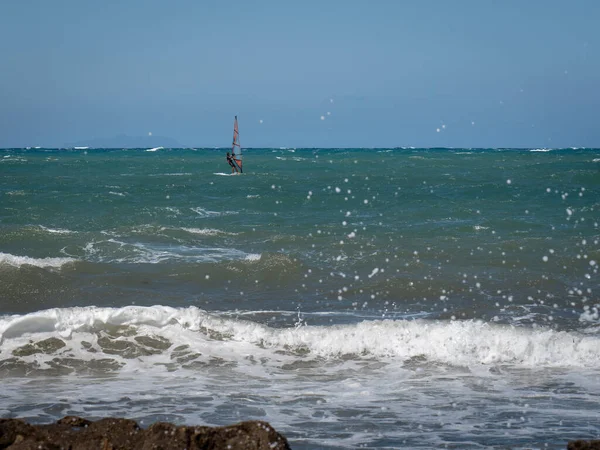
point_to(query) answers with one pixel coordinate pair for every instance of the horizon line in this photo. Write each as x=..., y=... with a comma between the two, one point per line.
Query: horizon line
x=297, y=148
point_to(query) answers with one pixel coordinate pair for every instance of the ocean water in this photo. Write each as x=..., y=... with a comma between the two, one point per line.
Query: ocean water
x=353, y=298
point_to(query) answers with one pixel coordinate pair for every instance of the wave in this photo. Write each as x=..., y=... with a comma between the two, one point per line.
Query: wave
x=18, y=261
x=208, y=232
x=202, y=212
x=12, y=158
x=162, y=336
x=170, y=209
x=293, y=158
x=56, y=230
x=154, y=149
x=174, y=174
x=118, y=251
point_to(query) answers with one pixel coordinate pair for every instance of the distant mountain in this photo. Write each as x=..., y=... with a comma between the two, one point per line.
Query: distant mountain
x=124, y=141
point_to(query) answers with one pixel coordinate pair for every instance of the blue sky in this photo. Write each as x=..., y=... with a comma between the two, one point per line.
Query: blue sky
x=327, y=73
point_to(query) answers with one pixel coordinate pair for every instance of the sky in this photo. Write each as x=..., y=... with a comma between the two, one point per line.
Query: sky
x=325, y=73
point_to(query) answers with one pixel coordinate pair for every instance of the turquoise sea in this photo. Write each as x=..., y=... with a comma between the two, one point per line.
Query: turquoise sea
x=353, y=298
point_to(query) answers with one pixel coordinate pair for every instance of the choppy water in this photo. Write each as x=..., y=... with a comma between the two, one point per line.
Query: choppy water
x=376, y=298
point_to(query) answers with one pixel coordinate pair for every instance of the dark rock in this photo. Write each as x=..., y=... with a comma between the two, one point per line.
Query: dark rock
x=75, y=433
x=583, y=445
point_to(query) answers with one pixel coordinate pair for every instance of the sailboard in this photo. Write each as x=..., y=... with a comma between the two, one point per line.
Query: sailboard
x=236, y=148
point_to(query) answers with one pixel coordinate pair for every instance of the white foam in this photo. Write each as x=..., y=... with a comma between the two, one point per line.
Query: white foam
x=56, y=230
x=223, y=174
x=455, y=343
x=154, y=149
x=293, y=158
x=202, y=212
x=18, y=261
x=174, y=174
x=12, y=158
x=541, y=150
x=113, y=250
x=208, y=231
x=170, y=209
x=205, y=212
x=591, y=314
x=462, y=343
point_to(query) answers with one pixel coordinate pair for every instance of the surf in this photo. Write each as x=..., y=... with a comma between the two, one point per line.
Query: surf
x=455, y=343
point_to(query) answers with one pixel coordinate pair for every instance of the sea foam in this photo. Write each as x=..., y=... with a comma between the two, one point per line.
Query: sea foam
x=459, y=343
x=18, y=261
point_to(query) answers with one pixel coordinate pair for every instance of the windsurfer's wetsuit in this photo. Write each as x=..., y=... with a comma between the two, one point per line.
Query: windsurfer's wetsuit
x=231, y=163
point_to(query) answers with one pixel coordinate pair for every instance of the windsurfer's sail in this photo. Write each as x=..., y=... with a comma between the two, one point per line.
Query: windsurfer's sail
x=236, y=149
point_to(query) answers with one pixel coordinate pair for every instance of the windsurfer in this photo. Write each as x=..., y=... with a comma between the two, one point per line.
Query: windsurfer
x=231, y=163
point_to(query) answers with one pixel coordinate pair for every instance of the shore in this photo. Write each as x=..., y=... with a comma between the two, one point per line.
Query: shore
x=109, y=433
x=117, y=433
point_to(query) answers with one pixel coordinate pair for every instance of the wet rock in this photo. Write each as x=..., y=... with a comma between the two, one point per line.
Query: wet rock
x=77, y=433
x=47, y=346
x=583, y=445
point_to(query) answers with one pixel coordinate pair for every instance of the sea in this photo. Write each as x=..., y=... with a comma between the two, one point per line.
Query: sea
x=379, y=298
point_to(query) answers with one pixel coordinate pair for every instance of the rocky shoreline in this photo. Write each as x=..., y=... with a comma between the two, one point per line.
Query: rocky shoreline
x=75, y=433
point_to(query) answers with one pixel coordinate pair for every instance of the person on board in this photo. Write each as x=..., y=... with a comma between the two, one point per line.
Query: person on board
x=231, y=163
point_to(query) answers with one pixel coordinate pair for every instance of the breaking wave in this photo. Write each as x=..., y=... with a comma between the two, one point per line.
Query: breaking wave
x=161, y=336
x=18, y=261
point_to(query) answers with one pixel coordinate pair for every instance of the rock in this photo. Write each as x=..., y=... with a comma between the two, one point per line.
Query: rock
x=583, y=445
x=76, y=433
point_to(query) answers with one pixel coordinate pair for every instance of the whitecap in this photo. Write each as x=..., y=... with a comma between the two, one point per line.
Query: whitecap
x=208, y=231
x=202, y=212
x=56, y=230
x=18, y=261
x=457, y=343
